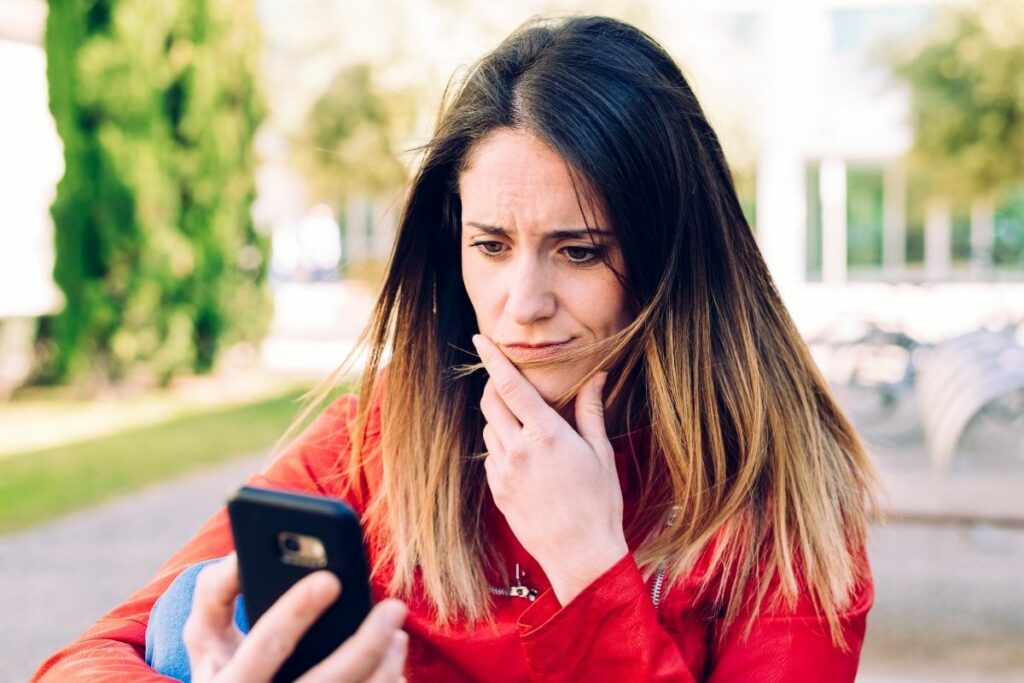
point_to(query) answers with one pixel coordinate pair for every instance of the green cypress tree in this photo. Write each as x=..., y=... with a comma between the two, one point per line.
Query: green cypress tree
x=156, y=253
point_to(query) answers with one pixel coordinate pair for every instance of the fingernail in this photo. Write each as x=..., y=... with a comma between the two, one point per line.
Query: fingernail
x=394, y=612
x=327, y=587
x=476, y=343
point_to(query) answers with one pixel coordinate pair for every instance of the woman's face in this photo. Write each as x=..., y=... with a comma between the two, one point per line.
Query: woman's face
x=537, y=281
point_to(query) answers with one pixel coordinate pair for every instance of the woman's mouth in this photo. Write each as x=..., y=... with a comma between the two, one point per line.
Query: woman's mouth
x=519, y=352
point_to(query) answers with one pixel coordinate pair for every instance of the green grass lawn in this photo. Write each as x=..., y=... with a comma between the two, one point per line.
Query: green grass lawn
x=43, y=484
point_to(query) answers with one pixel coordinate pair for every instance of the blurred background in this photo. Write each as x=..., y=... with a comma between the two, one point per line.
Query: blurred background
x=197, y=198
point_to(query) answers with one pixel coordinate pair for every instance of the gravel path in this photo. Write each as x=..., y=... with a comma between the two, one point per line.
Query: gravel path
x=57, y=579
x=949, y=606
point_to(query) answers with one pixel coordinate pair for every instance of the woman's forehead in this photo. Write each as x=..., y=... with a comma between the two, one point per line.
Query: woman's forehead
x=515, y=178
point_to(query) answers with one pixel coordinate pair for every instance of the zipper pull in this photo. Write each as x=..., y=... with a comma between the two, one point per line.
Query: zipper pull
x=519, y=590
x=523, y=592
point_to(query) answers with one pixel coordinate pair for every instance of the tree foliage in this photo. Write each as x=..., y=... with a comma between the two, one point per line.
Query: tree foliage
x=345, y=148
x=156, y=252
x=966, y=76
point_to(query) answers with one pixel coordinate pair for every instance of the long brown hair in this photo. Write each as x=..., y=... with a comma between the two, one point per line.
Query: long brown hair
x=747, y=443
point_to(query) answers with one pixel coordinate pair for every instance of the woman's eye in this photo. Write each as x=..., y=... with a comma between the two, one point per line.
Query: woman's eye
x=489, y=248
x=581, y=254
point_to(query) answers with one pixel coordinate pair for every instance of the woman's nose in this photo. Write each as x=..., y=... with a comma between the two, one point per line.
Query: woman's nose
x=530, y=295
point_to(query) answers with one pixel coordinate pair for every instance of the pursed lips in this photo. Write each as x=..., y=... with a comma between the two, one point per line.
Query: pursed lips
x=516, y=351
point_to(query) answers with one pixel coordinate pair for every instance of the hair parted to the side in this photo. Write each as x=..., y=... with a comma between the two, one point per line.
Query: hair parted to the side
x=747, y=442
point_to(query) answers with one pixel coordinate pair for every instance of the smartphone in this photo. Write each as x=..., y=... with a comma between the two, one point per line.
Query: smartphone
x=281, y=537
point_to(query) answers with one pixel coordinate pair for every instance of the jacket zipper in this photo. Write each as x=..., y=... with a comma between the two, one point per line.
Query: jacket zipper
x=521, y=591
x=658, y=585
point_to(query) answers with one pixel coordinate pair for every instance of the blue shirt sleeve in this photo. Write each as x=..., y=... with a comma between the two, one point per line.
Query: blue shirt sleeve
x=165, y=647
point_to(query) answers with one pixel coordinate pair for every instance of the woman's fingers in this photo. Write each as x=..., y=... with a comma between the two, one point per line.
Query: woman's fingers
x=590, y=414
x=515, y=391
x=502, y=430
x=274, y=637
x=376, y=651
x=390, y=670
x=217, y=587
x=375, y=654
x=492, y=441
x=210, y=635
x=496, y=412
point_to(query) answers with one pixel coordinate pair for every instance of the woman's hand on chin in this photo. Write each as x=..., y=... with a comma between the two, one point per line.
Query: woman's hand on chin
x=557, y=486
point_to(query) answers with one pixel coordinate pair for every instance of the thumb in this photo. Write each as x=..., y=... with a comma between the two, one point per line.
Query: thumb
x=590, y=413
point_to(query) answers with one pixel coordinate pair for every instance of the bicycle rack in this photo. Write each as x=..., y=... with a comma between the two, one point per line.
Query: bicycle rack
x=957, y=379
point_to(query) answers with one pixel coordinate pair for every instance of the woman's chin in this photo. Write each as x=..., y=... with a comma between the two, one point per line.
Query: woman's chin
x=550, y=385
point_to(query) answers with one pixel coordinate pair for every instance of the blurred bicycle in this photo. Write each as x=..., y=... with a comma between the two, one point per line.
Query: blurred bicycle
x=962, y=395
x=873, y=371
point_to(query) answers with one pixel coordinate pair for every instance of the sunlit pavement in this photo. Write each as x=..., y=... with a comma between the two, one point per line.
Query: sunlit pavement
x=949, y=605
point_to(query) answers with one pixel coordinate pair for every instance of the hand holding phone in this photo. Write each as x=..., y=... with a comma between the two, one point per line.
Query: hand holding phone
x=218, y=652
x=283, y=539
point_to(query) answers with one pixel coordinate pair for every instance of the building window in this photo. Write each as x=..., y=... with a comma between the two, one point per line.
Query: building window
x=864, y=187
x=960, y=242
x=916, y=208
x=1008, y=243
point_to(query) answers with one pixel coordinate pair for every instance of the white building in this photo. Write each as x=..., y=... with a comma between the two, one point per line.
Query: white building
x=31, y=163
x=836, y=216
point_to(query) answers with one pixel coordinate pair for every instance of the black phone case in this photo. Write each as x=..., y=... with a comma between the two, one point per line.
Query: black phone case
x=258, y=516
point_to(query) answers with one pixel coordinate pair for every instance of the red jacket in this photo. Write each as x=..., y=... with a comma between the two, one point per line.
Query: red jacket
x=610, y=632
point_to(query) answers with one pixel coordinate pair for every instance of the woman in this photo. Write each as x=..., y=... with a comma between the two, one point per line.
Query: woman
x=701, y=517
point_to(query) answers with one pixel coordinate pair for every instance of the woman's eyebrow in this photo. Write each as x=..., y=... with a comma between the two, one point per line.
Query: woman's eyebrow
x=554, y=234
